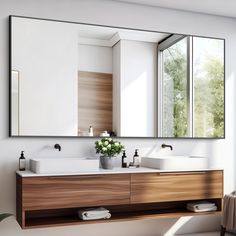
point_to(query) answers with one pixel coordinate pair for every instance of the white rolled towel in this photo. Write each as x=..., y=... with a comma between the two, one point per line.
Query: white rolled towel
x=94, y=214
x=194, y=209
x=202, y=206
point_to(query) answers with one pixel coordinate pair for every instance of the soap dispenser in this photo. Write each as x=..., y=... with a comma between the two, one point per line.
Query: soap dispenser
x=136, y=162
x=22, y=162
x=124, y=164
x=90, y=133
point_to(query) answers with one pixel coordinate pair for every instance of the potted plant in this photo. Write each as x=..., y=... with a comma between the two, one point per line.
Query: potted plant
x=4, y=216
x=108, y=148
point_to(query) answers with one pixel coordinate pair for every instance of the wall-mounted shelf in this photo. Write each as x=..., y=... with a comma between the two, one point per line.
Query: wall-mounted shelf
x=55, y=201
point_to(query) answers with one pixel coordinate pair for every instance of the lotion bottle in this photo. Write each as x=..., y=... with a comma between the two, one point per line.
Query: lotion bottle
x=136, y=161
x=90, y=133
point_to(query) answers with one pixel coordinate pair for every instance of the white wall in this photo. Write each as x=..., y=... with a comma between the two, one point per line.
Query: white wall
x=138, y=79
x=95, y=58
x=45, y=54
x=220, y=152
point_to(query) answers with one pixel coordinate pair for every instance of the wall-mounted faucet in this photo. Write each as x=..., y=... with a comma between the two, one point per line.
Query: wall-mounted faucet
x=166, y=145
x=57, y=146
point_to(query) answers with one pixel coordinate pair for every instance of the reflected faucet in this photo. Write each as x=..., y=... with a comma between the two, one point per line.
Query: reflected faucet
x=57, y=146
x=166, y=145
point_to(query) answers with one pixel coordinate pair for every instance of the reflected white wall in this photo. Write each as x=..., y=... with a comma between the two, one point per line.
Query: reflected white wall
x=15, y=98
x=94, y=58
x=137, y=80
x=45, y=54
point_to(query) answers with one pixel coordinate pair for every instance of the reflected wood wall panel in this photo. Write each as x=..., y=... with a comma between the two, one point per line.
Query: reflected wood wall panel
x=94, y=101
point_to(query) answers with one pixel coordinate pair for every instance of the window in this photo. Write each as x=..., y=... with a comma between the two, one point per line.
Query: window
x=191, y=87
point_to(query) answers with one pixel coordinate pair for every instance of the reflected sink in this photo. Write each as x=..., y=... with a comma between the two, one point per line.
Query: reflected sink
x=63, y=165
x=175, y=162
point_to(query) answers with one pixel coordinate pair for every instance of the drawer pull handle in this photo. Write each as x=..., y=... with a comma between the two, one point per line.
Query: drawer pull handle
x=183, y=173
x=72, y=177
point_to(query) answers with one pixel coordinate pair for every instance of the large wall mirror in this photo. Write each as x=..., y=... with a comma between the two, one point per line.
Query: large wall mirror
x=73, y=79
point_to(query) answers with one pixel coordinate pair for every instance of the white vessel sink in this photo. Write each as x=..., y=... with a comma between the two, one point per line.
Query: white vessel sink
x=175, y=162
x=63, y=165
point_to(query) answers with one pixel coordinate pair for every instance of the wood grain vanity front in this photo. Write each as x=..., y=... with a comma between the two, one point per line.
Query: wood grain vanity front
x=51, y=201
x=176, y=186
x=75, y=191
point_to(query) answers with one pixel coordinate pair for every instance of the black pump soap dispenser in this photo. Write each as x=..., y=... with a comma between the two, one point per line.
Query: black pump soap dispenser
x=124, y=164
x=22, y=162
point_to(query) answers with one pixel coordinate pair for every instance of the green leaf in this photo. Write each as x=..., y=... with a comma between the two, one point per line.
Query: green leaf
x=108, y=147
x=4, y=216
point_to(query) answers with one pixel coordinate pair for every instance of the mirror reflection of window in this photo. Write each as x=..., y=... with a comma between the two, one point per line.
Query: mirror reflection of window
x=192, y=87
x=174, y=88
x=208, y=78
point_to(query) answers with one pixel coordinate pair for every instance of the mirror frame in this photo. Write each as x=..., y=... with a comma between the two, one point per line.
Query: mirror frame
x=108, y=26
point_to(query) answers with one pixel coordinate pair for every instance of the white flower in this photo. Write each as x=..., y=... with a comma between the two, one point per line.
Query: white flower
x=100, y=143
x=109, y=146
x=104, y=149
x=110, y=139
x=106, y=143
x=116, y=144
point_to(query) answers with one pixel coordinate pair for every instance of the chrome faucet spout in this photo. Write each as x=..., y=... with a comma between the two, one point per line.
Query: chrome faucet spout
x=166, y=145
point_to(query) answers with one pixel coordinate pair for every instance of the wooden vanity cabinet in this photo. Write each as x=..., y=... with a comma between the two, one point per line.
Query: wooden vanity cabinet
x=55, y=200
x=176, y=186
x=75, y=191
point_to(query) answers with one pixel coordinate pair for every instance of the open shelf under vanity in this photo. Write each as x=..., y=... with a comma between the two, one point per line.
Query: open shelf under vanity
x=62, y=217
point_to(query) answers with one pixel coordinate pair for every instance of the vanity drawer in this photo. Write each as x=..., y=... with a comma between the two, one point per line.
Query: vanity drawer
x=176, y=186
x=75, y=191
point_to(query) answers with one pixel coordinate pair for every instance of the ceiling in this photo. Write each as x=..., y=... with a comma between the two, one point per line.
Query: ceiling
x=109, y=36
x=215, y=7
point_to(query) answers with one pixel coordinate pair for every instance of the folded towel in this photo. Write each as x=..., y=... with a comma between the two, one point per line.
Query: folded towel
x=94, y=214
x=105, y=216
x=194, y=209
x=229, y=211
x=201, y=205
x=90, y=212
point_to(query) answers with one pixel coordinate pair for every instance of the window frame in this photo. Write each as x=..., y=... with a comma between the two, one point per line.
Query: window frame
x=165, y=44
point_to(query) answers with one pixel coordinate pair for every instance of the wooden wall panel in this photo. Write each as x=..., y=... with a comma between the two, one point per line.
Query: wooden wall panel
x=94, y=101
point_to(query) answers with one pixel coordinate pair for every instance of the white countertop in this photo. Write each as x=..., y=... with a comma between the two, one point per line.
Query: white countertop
x=116, y=170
